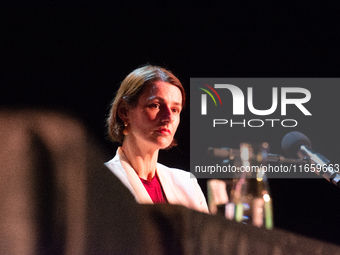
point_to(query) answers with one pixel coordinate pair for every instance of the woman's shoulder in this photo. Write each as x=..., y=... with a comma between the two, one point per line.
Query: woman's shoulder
x=112, y=163
x=114, y=160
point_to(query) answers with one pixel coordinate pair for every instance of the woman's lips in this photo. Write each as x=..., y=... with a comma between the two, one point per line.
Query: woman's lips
x=164, y=131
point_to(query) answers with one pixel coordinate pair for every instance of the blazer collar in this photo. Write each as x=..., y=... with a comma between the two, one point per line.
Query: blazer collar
x=141, y=194
x=167, y=184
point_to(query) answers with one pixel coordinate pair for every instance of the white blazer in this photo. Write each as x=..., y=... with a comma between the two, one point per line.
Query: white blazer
x=180, y=187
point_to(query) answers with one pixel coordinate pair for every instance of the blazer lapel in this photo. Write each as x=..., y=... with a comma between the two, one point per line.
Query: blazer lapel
x=169, y=190
x=141, y=194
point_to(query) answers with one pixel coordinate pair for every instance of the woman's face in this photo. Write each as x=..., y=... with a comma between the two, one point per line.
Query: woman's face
x=154, y=121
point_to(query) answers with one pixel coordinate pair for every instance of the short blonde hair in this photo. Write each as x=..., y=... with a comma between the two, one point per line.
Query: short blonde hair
x=130, y=90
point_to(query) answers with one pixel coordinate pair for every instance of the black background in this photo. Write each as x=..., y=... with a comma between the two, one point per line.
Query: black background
x=72, y=56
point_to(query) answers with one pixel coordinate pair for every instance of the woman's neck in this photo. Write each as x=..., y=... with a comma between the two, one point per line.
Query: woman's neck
x=143, y=161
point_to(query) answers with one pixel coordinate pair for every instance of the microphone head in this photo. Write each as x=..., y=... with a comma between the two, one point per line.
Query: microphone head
x=292, y=142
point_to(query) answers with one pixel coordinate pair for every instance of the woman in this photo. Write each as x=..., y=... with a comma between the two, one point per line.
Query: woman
x=144, y=118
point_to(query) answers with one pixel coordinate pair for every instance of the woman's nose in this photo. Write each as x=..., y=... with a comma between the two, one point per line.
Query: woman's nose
x=167, y=115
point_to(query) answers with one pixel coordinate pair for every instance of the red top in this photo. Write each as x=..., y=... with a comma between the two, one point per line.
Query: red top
x=155, y=190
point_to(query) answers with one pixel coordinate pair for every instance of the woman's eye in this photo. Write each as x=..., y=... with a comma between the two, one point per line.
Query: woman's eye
x=155, y=106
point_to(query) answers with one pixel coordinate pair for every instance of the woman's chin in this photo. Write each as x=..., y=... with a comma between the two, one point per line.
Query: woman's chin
x=163, y=144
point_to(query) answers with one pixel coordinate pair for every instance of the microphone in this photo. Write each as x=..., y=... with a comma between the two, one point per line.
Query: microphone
x=295, y=143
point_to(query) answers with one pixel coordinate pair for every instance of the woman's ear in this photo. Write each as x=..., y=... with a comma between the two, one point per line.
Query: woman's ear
x=123, y=111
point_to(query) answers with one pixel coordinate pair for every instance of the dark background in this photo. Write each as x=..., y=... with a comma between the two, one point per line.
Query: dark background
x=71, y=56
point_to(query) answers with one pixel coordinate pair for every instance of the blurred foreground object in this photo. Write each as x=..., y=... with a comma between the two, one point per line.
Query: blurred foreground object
x=57, y=197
